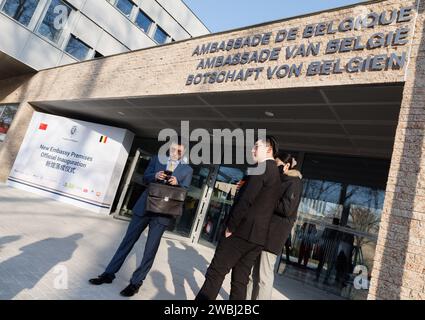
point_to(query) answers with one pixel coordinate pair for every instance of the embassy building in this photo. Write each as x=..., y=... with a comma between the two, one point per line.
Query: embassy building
x=343, y=91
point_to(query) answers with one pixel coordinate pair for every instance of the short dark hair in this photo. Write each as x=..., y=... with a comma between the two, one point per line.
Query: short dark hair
x=286, y=158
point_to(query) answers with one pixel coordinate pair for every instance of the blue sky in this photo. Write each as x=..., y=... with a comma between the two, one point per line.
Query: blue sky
x=221, y=15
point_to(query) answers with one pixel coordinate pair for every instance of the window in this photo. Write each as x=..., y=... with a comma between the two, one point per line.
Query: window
x=55, y=20
x=20, y=10
x=143, y=21
x=77, y=48
x=7, y=113
x=125, y=6
x=160, y=36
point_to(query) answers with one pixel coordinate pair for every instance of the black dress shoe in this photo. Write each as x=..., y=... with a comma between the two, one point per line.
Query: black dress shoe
x=130, y=290
x=101, y=280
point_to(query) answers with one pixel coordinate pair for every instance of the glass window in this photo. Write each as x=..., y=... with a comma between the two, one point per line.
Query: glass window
x=7, y=113
x=222, y=198
x=143, y=21
x=77, y=48
x=55, y=20
x=321, y=200
x=20, y=10
x=338, y=223
x=365, y=208
x=160, y=36
x=125, y=6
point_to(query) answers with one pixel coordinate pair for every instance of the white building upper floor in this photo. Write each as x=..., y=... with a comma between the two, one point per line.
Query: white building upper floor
x=46, y=33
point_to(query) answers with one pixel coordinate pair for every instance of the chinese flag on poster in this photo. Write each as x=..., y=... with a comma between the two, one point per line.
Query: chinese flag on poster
x=43, y=126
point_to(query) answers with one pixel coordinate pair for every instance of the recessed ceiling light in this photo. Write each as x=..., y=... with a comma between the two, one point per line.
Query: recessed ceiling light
x=269, y=114
x=121, y=113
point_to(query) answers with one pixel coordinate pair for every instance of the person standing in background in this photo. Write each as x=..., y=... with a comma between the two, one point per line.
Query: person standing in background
x=285, y=214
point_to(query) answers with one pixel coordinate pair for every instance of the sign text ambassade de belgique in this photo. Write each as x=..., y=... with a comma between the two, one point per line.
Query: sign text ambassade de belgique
x=271, y=47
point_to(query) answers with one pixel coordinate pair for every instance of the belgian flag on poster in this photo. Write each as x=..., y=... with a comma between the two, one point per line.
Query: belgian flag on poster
x=103, y=139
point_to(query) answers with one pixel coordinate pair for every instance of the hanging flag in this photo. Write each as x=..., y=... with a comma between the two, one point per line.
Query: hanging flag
x=103, y=139
x=43, y=126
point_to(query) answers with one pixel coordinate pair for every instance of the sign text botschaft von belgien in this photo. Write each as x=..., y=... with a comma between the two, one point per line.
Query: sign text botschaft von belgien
x=271, y=47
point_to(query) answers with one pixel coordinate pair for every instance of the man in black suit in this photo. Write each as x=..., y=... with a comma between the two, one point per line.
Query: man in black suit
x=247, y=226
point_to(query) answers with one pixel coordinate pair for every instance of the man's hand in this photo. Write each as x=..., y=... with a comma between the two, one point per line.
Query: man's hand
x=173, y=181
x=227, y=233
x=160, y=175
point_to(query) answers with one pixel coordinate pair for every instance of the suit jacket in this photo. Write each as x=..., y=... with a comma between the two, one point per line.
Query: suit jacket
x=286, y=211
x=250, y=216
x=183, y=173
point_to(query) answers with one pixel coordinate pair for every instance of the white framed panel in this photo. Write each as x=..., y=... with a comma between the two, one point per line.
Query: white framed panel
x=72, y=161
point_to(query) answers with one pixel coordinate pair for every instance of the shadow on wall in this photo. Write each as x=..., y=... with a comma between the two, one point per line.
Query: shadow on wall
x=39, y=258
x=391, y=271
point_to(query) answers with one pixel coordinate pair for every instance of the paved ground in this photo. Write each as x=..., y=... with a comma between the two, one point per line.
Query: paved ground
x=48, y=250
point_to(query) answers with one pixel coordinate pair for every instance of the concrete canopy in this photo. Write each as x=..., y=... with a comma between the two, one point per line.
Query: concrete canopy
x=347, y=120
x=11, y=67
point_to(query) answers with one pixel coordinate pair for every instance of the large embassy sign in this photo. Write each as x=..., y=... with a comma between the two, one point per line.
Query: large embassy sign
x=272, y=47
x=72, y=161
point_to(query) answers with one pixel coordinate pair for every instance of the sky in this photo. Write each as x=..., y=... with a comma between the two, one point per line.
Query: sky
x=222, y=15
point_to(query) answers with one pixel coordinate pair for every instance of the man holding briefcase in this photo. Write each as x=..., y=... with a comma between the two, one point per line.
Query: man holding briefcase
x=173, y=172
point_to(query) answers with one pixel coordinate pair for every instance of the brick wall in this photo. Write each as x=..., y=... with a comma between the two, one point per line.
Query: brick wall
x=399, y=268
x=164, y=69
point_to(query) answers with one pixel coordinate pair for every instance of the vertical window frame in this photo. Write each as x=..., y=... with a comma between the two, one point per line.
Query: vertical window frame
x=167, y=39
x=131, y=15
x=66, y=30
x=152, y=22
x=90, y=52
x=34, y=18
x=3, y=109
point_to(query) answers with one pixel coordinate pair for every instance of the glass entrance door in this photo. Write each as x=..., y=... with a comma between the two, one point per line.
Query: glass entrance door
x=184, y=225
x=222, y=197
x=337, y=227
x=133, y=187
x=133, y=184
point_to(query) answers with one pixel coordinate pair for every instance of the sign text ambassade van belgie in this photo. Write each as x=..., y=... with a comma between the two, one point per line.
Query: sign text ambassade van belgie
x=271, y=46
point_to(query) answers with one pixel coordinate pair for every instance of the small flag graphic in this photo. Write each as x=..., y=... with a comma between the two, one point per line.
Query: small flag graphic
x=103, y=139
x=43, y=126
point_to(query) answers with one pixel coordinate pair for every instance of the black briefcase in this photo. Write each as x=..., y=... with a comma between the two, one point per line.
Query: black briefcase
x=165, y=199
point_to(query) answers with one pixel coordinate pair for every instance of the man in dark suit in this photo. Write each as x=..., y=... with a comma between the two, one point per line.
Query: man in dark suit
x=247, y=226
x=285, y=214
x=182, y=176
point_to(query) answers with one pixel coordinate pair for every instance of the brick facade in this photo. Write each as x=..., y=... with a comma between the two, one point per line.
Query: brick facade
x=399, y=269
